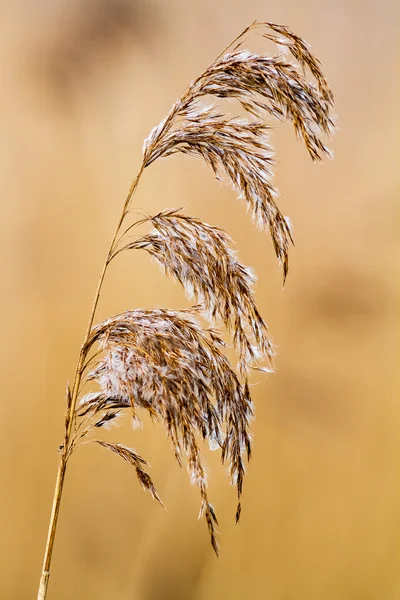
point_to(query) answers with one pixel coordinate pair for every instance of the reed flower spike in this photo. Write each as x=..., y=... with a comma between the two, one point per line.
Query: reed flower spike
x=165, y=361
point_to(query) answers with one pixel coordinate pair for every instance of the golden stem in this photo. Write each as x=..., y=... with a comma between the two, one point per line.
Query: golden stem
x=70, y=416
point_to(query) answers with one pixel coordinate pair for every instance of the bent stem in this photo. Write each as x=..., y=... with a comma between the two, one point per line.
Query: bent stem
x=72, y=399
x=69, y=418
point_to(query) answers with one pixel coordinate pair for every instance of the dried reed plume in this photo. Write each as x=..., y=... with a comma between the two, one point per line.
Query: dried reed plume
x=164, y=361
x=201, y=257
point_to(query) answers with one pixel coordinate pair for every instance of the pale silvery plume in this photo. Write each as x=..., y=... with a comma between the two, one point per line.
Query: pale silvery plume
x=202, y=258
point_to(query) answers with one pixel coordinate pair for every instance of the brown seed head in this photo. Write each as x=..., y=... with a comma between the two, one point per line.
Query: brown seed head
x=201, y=257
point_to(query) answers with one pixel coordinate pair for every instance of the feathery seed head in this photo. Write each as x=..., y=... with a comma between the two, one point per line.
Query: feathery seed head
x=202, y=258
x=163, y=361
x=239, y=149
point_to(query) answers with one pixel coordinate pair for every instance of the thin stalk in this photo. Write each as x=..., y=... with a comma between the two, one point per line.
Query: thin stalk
x=70, y=416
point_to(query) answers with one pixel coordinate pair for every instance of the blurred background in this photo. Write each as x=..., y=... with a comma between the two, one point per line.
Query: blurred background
x=83, y=83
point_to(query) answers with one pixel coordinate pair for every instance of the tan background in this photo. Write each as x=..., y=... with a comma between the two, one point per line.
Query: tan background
x=82, y=83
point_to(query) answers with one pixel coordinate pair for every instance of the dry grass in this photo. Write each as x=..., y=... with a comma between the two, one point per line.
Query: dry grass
x=165, y=362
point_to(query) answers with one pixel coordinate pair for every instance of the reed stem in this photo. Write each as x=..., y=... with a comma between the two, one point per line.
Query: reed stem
x=69, y=419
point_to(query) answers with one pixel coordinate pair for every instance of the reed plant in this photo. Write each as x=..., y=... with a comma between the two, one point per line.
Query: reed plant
x=167, y=362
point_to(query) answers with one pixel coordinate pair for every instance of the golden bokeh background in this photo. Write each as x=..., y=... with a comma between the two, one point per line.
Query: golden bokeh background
x=83, y=83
